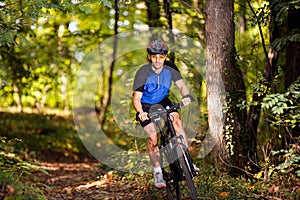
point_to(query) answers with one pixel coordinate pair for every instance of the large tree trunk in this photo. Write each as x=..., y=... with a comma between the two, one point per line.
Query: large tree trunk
x=220, y=65
x=292, y=68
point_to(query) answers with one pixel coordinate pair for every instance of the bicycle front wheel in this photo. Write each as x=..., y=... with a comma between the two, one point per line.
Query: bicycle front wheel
x=186, y=169
x=171, y=173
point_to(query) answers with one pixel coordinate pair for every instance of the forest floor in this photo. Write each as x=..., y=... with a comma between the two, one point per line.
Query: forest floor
x=73, y=175
x=81, y=179
x=52, y=141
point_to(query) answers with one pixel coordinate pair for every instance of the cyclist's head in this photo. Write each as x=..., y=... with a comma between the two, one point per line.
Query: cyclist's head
x=157, y=47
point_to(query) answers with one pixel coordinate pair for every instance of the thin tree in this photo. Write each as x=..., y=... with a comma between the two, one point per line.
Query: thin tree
x=269, y=72
x=108, y=90
x=153, y=13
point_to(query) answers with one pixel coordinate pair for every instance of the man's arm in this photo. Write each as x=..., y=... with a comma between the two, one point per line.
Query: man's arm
x=182, y=87
x=136, y=101
x=186, y=99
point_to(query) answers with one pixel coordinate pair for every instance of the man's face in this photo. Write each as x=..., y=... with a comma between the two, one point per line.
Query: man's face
x=157, y=60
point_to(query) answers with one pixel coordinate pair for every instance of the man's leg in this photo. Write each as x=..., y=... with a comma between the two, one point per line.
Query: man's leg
x=154, y=155
x=179, y=127
x=152, y=146
x=180, y=130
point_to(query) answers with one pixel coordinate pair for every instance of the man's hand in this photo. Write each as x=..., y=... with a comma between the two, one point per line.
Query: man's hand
x=143, y=116
x=187, y=99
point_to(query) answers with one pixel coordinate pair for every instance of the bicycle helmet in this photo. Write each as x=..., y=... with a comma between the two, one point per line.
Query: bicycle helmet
x=157, y=47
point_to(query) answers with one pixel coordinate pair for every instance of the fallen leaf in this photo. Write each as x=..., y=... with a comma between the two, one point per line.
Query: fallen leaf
x=223, y=194
x=10, y=189
x=273, y=189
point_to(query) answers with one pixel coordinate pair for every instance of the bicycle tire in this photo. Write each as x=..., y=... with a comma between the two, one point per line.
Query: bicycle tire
x=173, y=191
x=171, y=172
x=186, y=169
x=173, y=186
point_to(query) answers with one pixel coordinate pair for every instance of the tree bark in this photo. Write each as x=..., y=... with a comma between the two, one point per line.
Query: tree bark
x=220, y=65
x=292, y=71
x=292, y=68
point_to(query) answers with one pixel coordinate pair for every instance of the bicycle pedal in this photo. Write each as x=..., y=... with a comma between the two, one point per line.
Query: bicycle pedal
x=196, y=173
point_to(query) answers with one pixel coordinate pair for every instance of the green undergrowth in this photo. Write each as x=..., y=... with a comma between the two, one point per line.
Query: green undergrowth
x=15, y=173
x=42, y=134
x=26, y=138
x=211, y=186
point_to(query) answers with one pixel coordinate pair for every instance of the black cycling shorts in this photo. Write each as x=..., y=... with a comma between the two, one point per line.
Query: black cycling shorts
x=146, y=108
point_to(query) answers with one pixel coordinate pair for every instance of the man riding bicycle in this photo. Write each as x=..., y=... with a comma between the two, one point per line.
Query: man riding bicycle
x=151, y=86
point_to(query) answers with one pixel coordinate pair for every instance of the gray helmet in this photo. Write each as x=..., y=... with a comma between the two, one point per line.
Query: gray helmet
x=157, y=47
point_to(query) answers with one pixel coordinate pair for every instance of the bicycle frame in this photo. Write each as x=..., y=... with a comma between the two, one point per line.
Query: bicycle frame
x=169, y=143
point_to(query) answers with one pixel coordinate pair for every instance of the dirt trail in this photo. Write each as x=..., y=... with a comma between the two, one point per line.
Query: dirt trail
x=83, y=180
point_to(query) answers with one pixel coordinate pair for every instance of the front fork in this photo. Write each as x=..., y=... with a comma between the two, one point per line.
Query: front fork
x=171, y=157
x=184, y=147
x=169, y=149
x=186, y=153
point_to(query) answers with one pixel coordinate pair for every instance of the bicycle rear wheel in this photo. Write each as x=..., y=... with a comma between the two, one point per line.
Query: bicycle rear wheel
x=187, y=171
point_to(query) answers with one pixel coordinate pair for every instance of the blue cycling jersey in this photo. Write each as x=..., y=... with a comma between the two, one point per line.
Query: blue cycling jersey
x=155, y=87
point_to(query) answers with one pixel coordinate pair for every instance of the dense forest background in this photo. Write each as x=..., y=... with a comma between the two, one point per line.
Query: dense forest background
x=62, y=60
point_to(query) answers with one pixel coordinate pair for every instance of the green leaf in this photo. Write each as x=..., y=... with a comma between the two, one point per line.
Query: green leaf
x=44, y=171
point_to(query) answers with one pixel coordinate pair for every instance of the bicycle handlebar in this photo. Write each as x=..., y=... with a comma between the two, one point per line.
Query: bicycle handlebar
x=162, y=111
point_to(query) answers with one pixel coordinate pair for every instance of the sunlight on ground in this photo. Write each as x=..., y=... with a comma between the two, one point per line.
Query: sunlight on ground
x=58, y=112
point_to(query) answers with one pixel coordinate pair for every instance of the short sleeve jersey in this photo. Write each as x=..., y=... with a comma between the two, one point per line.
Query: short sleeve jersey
x=155, y=87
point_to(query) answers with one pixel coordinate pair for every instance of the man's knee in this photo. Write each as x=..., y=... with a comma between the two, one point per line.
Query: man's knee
x=152, y=143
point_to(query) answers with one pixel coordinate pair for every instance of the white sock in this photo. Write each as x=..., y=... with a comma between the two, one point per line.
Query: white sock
x=157, y=169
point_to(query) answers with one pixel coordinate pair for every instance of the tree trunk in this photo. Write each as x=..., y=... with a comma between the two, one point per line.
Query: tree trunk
x=168, y=12
x=292, y=68
x=153, y=13
x=18, y=100
x=242, y=21
x=108, y=90
x=220, y=65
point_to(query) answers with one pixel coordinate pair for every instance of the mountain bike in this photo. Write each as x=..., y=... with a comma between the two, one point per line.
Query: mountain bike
x=175, y=160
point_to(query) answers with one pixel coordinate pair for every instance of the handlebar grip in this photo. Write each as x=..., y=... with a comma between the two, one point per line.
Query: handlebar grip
x=179, y=105
x=189, y=96
x=137, y=116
